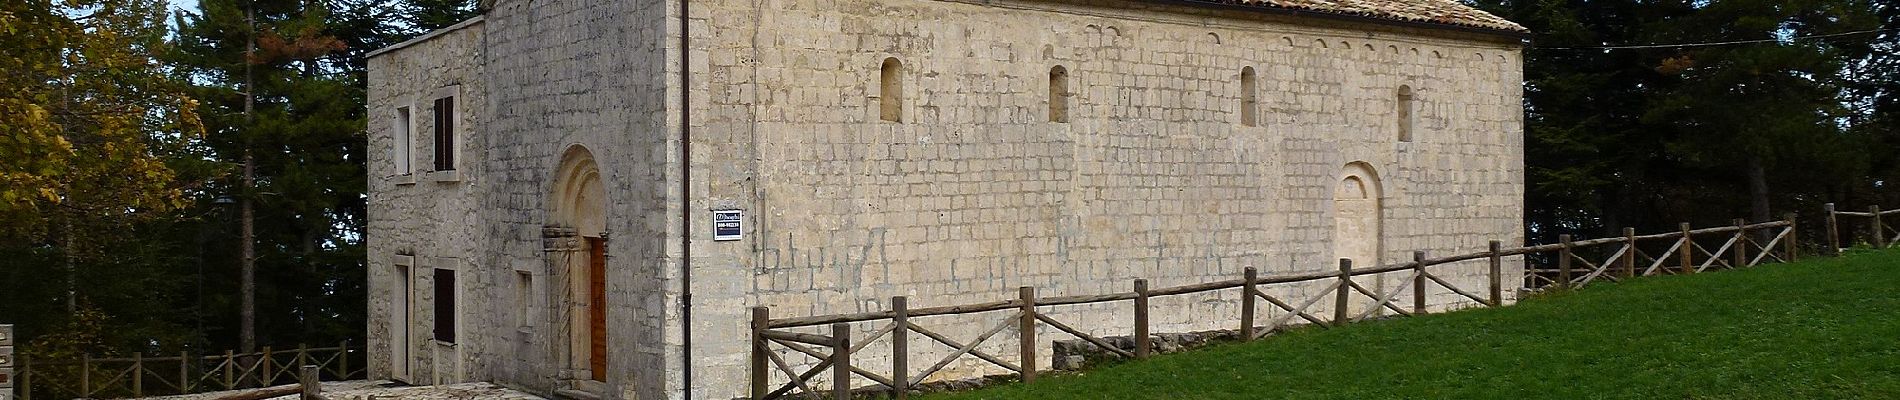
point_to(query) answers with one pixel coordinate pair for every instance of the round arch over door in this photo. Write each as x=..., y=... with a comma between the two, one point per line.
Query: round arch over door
x=580, y=204
x=1358, y=209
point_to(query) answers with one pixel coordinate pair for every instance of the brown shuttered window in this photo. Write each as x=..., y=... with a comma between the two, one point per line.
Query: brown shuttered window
x=445, y=305
x=445, y=134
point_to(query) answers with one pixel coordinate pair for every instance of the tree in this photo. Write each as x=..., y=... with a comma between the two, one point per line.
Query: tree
x=429, y=15
x=1644, y=114
x=304, y=134
x=96, y=138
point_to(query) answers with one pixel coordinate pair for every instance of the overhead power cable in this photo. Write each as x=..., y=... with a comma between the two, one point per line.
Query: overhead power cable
x=1727, y=43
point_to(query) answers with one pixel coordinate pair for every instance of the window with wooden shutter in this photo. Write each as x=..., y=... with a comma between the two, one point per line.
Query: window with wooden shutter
x=445, y=134
x=445, y=305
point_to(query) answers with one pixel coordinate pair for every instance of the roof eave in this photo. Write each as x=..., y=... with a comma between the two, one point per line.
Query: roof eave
x=1503, y=33
x=425, y=37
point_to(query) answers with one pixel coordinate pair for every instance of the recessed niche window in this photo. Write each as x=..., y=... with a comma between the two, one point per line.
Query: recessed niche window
x=890, y=96
x=1058, y=94
x=1404, y=113
x=399, y=150
x=524, y=297
x=1249, y=100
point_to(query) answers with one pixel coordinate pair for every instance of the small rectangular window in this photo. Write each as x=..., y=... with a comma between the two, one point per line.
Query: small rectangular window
x=399, y=150
x=445, y=134
x=524, y=295
x=1249, y=97
x=1058, y=94
x=1404, y=113
x=890, y=95
x=445, y=305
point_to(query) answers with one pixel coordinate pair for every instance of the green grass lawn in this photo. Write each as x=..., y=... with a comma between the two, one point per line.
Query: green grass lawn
x=1819, y=329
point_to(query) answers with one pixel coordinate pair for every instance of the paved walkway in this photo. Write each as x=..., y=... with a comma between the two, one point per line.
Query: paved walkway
x=389, y=390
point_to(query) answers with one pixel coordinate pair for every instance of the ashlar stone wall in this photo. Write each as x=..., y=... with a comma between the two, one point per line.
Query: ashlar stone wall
x=970, y=194
x=975, y=192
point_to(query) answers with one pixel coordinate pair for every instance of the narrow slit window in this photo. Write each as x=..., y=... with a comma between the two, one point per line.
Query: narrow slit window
x=445, y=305
x=1249, y=100
x=399, y=150
x=445, y=134
x=524, y=297
x=891, y=91
x=1404, y=113
x=1058, y=94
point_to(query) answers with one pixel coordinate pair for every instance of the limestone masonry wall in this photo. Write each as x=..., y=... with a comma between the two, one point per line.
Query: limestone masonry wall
x=972, y=192
x=422, y=219
x=975, y=192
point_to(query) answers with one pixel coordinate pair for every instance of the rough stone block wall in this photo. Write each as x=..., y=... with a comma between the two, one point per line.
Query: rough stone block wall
x=976, y=193
x=585, y=74
x=426, y=219
x=973, y=194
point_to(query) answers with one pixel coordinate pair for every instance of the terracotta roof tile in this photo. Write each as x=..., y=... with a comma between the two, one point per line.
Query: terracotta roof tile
x=1445, y=12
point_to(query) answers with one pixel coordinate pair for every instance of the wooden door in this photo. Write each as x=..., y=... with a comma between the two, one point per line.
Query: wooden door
x=597, y=307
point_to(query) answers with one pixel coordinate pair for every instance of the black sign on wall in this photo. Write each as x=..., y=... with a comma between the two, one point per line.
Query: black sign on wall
x=728, y=225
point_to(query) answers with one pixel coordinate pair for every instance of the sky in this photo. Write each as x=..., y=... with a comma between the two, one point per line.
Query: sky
x=191, y=5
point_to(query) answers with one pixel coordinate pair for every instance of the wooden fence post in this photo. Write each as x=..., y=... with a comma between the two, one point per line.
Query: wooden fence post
x=1880, y=231
x=1027, y=334
x=761, y=320
x=1687, y=253
x=303, y=356
x=1833, y=231
x=85, y=375
x=1343, y=295
x=184, y=372
x=1497, y=274
x=1563, y=260
x=900, y=347
x=26, y=377
x=265, y=378
x=1418, y=282
x=1142, y=345
x=1790, y=245
x=1247, y=303
x=230, y=377
x=343, y=359
x=138, y=374
x=1739, y=254
x=307, y=378
x=1629, y=255
x=841, y=361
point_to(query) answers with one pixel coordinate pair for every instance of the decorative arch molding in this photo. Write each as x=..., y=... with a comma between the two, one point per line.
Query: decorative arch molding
x=579, y=195
x=1359, y=220
x=1358, y=214
x=579, y=215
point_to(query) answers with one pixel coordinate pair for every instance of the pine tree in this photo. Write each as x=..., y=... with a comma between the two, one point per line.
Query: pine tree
x=303, y=136
x=1647, y=136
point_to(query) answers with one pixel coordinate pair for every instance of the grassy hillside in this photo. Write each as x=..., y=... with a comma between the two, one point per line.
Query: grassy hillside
x=1823, y=328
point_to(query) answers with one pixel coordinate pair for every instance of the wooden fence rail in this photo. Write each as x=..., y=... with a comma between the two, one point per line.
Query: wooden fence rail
x=183, y=373
x=1880, y=233
x=1577, y=263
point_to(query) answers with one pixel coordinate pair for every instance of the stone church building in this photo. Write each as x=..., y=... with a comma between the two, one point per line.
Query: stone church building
x=582, y=198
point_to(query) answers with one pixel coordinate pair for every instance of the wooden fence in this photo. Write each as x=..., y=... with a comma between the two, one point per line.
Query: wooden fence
x=140, y=375
x=1880, y=234
x=1679, y=252
x=1686, y=251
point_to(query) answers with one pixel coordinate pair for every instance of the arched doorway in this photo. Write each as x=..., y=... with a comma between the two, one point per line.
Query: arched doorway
x=580, y=211
x=1357, y=217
